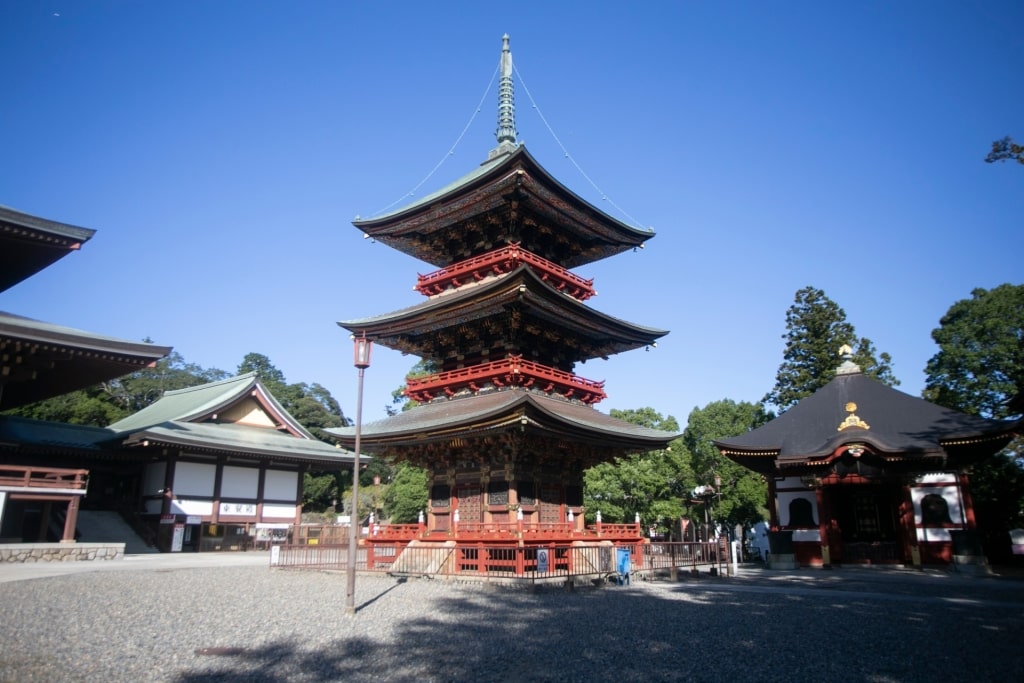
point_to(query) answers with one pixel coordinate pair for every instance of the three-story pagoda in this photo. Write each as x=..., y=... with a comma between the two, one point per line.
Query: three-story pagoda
x=505, y=427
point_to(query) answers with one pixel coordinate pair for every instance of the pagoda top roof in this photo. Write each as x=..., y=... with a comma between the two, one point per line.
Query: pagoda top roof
x=416, y=229
x=28, y=244
x=855, y=408
x=600, y=334
x=533, y=412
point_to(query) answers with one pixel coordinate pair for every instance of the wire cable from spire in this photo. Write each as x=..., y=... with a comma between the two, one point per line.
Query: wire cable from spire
x=568, y=156
x=451, y=150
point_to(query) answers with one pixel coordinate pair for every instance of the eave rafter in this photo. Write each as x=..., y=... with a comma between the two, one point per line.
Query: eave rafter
x=510, y=314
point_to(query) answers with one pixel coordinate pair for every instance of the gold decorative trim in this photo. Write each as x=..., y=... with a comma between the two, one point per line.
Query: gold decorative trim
x=852, y=421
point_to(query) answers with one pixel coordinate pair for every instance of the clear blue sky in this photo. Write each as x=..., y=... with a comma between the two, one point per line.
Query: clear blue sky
x=222, y=149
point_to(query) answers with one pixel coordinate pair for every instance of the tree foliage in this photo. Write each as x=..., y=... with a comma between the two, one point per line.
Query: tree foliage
x=406, y=494
x=816, y=328
x=653, y=484
x=979, y=369
x=1006, y=150
x=743, y=494
x=980, y=364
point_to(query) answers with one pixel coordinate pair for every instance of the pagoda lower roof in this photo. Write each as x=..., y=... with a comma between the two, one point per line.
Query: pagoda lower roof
x=419, y=228
x=856, y=409
x=533, y=413
x=433, y=327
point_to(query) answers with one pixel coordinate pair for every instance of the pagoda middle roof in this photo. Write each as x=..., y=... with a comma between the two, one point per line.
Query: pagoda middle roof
x=411, y=330
x=856, y=408
x=594, y=234
x=536, y=413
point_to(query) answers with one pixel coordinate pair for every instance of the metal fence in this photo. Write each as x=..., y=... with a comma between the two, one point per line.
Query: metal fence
x=511, y=562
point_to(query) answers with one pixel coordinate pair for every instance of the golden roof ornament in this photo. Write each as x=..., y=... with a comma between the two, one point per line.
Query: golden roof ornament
x=848, y=367
x=852, y=421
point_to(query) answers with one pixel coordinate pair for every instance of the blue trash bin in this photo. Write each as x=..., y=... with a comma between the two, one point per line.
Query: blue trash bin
x=622, y=566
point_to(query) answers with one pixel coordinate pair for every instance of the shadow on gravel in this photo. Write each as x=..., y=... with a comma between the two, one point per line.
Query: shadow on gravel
x=695, y=630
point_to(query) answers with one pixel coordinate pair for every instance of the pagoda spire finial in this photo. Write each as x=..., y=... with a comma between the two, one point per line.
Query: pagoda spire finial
x=506, y=132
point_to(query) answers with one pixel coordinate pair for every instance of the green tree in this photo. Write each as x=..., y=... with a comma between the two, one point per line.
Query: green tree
x=406, y=494
x=816, y=328
x=980, y=364
x=1006, y=149
x=653, y=484
x=979, y=369
x=743, y=495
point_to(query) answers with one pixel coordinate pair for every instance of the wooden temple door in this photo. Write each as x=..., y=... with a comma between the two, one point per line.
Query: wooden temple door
x=470, y=504
x=866, y=516
x=550, y=505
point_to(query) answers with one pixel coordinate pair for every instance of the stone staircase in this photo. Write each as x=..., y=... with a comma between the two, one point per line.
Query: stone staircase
x=420, y=559
x=103, y=526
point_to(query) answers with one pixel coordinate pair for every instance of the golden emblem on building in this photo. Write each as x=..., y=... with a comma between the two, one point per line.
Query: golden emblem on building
x=852, y=421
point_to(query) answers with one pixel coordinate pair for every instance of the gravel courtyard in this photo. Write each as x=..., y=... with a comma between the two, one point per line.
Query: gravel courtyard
x=251, y=623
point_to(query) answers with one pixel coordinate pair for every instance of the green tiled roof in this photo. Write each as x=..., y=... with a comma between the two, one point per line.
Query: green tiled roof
x=233, y=438
x=186, y=405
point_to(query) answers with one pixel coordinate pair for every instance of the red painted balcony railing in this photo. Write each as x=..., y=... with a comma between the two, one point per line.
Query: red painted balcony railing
x=501, y=261
x=511, y=371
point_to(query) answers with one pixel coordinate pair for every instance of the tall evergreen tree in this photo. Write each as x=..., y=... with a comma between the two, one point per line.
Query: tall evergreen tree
x=816, y=328
x=979, y=369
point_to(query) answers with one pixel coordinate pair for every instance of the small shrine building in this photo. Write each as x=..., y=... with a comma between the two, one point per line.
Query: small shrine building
x=861, y=473
x=506, y=427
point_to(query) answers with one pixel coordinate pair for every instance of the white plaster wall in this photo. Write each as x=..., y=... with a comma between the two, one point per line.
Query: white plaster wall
x=240, y=482
x=192, y=507
x=931, y=535
x=194, y=479
x=279, y=511
x=280, y=485
x=936, y=478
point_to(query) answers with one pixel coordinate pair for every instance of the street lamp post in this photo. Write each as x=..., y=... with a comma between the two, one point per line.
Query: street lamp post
x=363, y=347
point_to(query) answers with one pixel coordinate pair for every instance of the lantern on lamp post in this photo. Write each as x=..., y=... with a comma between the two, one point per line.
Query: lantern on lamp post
x=361, y=360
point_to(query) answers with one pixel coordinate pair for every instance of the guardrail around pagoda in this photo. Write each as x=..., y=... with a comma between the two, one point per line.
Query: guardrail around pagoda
x=499, y=262
x=511, y=371
x=541, y=562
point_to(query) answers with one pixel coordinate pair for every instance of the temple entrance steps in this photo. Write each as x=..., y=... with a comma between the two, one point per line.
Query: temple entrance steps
x=412, y=561
x=106, y=526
